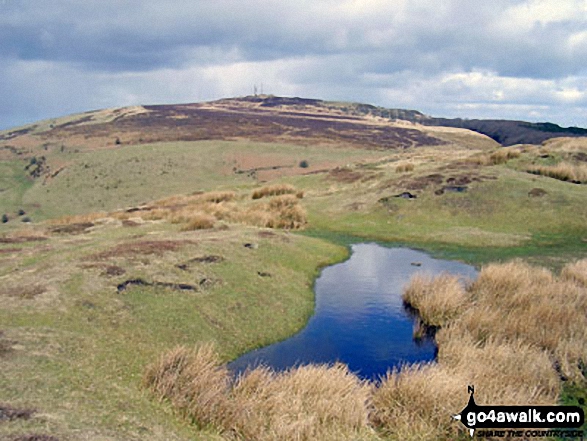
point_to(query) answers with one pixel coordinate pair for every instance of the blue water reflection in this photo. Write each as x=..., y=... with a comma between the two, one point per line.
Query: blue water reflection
x=359, y=316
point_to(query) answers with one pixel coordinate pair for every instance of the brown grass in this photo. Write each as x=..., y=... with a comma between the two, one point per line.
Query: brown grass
x=22, y=236
x=576, y=272
x=77, y=219
x=516, y=303
x=503, y=155
x=281, y=212
x=306, y=403
x=219, y=196
x=202, y=210
x=438, y=300
x=274, y=190
x=563, y=171
x=514, y=333
x=500, y=156
x=404, y=167
x=26, y=292
x=199, y=222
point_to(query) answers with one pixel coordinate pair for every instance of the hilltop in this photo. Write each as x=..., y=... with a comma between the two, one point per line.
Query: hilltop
x=271, y=118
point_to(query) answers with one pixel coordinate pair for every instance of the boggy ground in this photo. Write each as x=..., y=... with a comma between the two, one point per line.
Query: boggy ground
x=93, y=288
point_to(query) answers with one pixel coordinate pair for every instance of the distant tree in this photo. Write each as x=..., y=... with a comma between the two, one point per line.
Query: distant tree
x=117, y=141
x=26, y=219
x=4, y=218
x=304, y=164
x=21, y=212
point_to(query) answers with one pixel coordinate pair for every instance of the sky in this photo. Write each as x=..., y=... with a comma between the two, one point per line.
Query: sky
x=514, y=59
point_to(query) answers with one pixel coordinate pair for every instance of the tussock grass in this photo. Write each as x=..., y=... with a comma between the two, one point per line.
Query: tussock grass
x=193, y=381
x=564, y=171
x=404, y=167
x=274, y=190
x=576, y=272
x=514, y=333
x=281, y=212
x=305, y=403
x=77, y=219
x=413, y=403
x=219, y=196
x=516, y=303
x=202, y=210
x=500, y=156
x=438, y=299
x=199, y=222
x=503, y=155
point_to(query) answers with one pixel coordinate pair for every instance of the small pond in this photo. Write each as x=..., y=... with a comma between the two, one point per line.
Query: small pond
x=359, y=316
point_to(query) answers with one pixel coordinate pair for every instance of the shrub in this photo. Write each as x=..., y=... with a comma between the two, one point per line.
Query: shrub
x=4, y=218
x=304, y=164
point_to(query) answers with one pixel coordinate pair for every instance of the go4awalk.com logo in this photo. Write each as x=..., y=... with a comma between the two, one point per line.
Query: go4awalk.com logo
x=521, y=421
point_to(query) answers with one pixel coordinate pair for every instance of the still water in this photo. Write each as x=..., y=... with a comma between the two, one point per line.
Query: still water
x=359, y=315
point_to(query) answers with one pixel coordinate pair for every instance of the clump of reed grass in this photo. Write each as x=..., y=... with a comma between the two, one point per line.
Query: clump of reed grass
x=193, y=381
x=404, y=167
x=503, y=155
x=218, y=196
x=282, y=211
x=273, y=190
x=500, y=156
x=517, y=303
x=513, y=333
x=415, y=403
x=437, y=299
x=304, y=403
x=576, y=272
x=199, y=221
x=563, y=171
x=77, y=219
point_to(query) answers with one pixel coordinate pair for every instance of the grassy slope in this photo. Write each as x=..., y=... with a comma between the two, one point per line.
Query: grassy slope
x=13, y=186
x=105, y=180
x=79, y=348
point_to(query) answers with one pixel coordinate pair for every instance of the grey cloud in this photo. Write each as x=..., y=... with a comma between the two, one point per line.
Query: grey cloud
x=111, y=52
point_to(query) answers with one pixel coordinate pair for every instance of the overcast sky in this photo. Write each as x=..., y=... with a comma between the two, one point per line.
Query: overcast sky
x=470, y=58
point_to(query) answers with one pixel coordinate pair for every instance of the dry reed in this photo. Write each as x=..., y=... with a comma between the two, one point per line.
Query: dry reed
x=438, y=300
x=199, y=222
x=404, y=167
x=274, y=190
x=305, y=403
x=513, y=333
x=563, y=171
